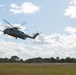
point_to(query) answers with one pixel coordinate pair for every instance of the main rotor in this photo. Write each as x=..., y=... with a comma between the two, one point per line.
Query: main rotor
x=18, y=27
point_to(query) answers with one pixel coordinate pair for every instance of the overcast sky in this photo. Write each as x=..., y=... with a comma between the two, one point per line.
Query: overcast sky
x=56, y=19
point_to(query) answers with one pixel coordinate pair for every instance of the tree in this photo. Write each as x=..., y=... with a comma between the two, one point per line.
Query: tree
x=57, y=59
x=21, y=61
x=14, y=59
x=52, y=59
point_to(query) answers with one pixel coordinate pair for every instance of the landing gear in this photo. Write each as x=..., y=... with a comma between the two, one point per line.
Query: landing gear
x=16, y=37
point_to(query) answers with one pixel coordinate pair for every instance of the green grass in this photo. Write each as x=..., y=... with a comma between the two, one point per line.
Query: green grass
x=37, y=69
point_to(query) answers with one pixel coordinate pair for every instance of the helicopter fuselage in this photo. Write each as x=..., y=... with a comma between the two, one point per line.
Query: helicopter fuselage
x=16, y=33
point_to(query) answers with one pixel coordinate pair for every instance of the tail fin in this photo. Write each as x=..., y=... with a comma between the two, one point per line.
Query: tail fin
x=35, y=35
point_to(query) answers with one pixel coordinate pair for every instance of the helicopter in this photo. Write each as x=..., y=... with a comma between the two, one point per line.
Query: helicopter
x=15, y=32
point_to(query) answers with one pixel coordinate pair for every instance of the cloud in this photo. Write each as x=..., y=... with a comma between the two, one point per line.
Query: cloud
x=71, y=29
x=26, y=8
x=43, y=46
x=71, y=10
x=57, y=44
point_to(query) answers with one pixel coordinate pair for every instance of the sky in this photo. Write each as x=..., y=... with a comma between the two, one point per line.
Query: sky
x=55, y=20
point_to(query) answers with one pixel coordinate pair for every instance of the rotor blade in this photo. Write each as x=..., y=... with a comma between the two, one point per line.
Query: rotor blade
x=4, y=26
x=7, y=22
x=23, y=23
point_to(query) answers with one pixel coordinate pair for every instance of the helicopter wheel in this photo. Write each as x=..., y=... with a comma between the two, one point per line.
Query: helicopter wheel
x=4, y=33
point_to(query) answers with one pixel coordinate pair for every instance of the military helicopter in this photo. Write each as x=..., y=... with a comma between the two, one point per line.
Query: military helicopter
x=15, y=32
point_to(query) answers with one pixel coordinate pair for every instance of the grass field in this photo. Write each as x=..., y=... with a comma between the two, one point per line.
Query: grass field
x=37, y=69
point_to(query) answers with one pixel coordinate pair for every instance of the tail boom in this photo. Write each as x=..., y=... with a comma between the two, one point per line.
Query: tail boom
x=35, y=35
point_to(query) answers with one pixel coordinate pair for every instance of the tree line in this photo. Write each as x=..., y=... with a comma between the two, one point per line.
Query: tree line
x=16, y=59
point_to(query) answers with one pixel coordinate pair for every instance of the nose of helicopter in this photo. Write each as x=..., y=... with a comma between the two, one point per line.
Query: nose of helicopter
x=5, y=31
